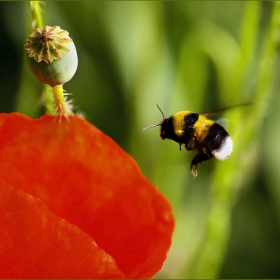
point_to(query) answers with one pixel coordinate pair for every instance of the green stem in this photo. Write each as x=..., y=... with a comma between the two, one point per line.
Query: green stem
x=26, y=96
x=36, y=10
x=47, y=95
x=35, y=7
x=62, y=106
x=228, y=177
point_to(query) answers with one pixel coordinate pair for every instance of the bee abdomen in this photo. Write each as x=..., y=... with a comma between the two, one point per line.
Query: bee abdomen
x=219, y=142
x=224, y=151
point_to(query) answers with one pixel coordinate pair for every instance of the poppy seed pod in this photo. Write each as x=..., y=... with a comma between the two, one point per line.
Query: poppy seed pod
x=51, y=55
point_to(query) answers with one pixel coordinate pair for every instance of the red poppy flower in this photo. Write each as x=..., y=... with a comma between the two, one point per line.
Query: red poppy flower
x=74, y=204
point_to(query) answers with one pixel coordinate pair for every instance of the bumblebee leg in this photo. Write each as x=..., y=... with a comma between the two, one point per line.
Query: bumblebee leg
x=194, y=171
x=180, y=144
x=200, y=157
x=190, y=144
x=194, y=163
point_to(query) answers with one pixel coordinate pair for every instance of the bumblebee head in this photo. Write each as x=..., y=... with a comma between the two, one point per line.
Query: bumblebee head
x=166, y=128
x=163, y=125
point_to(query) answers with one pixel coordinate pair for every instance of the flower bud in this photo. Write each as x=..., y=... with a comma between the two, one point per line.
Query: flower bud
x=51, y=55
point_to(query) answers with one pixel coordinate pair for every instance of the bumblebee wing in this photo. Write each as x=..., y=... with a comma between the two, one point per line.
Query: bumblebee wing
x=223, y=122
x=214, y=112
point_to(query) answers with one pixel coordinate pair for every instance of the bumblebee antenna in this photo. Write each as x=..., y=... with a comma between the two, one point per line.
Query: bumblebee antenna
x=161, y=111
x=151, y=126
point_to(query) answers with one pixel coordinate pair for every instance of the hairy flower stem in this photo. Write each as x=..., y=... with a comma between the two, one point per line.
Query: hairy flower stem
x=62, y=106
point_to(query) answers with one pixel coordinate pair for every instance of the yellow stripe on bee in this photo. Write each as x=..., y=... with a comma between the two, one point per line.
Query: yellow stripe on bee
x=201, y=127
x=179, y=122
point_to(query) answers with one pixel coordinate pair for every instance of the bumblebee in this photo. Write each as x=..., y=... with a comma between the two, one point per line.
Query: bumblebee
x=198, y=133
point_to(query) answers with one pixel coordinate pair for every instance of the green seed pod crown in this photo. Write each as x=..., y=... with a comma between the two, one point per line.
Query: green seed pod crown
x=51, y=55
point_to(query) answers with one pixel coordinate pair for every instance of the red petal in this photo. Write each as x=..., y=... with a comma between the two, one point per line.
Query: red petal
x=86, y=178
x=50, y=246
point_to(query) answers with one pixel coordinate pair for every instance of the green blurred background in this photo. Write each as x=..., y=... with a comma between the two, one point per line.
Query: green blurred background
x=195, y=56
